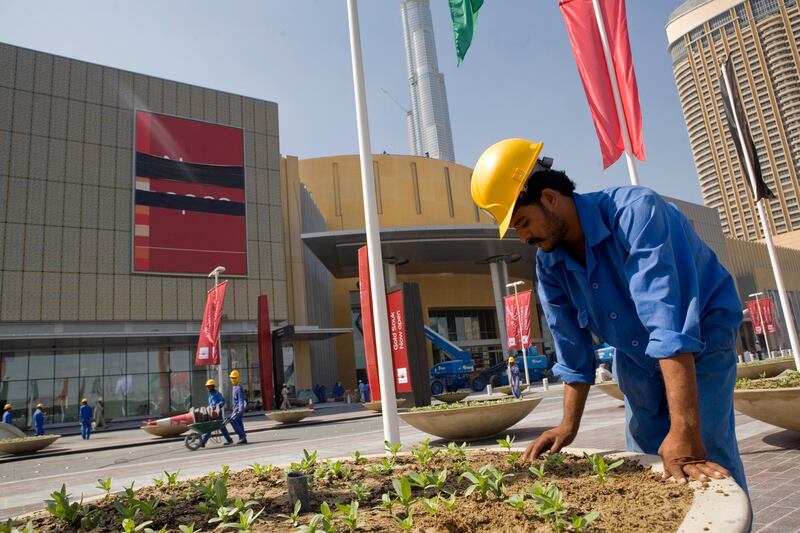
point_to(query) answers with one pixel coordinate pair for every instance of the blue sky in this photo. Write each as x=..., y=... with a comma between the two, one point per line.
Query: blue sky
x=519, y=78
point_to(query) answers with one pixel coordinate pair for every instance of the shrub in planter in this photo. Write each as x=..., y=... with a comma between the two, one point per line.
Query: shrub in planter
x=775, y=400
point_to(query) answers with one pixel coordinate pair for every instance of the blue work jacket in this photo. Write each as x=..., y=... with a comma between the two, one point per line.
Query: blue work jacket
x=216, y=399
x=237, y=399
x=8, y=418
x=651, y=288
x=38, y=418
x=86, y=414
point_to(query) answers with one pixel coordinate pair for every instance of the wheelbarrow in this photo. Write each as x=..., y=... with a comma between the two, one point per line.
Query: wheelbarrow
x=192, y=439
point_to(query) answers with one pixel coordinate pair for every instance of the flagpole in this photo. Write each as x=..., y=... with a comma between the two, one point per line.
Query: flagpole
x=391, y=425
x=612, y=76
x=762, y=215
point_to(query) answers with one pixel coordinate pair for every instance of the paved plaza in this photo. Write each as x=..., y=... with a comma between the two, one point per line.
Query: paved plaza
x=771, y=456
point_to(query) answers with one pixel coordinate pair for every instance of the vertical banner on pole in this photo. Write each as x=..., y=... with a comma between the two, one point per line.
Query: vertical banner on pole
x=755, y=317
x=514, y=341
x=370, y=352
x=208, y=344
x=399, y=341
x=767, y=312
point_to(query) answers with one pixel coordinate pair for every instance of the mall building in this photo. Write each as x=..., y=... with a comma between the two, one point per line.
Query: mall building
x=120, y=192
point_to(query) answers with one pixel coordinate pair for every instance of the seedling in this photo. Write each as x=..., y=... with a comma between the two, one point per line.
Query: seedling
x=487, y=479
x=360, y=491
x=189, y=529
x=262, y=472
x=457, y=452
x=450, y=502
x=349, y=515
x=323, y=521
x=517, y=501
x=513, y=457
x=358, y=458
x=402, y=488
x=105, y=484
x=423, y=453
x=407, y=523
x=338, y=470
x=387, y=502
x=437, y=480
x=383, y=468
x=418, y=479
x=214, y=495
x=392, y=449
x=580, y=523
x=600, y=467
x=431, y=505
x=9, y=527
x=307, y=464
x=172, y=478
x=506, y=443
x=68, y=512
x=293, y=518
x=148, y=508
x=556, y=459
x=246, y=521
x=549, y=502
x=129, y=526
x=130, y=494
x=537, y=471
x=127, y=510
x=162, y=530
x=158, y=481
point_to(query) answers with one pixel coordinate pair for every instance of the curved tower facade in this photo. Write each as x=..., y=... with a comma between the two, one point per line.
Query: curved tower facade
x=761, y=37
x=428, y=121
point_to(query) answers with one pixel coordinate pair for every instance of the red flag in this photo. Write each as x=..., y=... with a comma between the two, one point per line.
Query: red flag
x=767, y=314
x=579, y=17
x=512, y=322
x=208, y=345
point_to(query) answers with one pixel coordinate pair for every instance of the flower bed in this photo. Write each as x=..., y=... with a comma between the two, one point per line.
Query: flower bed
x=775, y=400
x=429, y=489
x=765, y=369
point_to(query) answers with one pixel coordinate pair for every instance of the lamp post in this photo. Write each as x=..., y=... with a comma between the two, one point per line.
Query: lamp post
x=215, y=274
x=761, y=320
x=519, y=323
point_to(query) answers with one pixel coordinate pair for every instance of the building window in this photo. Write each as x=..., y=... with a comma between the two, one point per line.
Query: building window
x=449, y=190
x=415, y=186
x=468, y=327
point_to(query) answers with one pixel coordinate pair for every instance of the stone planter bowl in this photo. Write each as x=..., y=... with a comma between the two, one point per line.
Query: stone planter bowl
x=25, y=445
x=289, y=417
x=376, y=406
x=451, y=397
x=166, y=432
x=506, y=389
x=7, y=431
x=611, y=388
x=770, y=368
x=779, y=407
x=471, y=423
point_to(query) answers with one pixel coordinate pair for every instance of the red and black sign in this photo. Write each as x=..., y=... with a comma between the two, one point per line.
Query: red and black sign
x=189, y=197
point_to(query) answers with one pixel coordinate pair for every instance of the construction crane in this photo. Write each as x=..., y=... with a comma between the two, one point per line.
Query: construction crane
x=398, y=104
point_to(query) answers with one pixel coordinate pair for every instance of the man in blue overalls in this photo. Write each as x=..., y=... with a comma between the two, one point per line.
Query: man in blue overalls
x=216, y=401
x=38, y=419
x=86, y=419
x=239, y=406
x=8, y=418
x=628, y=266
x=513, y=377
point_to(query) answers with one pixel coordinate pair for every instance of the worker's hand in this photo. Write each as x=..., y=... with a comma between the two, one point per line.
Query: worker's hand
x=551, y=441
x=684, y=454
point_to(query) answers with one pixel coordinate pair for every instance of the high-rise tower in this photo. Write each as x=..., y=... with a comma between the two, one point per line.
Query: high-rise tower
x=761, y=37
x=428, y=121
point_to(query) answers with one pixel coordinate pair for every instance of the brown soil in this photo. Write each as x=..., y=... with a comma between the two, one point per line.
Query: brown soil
x=633, y=499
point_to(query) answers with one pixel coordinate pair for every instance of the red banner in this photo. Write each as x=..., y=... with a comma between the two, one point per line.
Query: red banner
x=579, y=17
x=767, y=313
x=368, y=331
x=512, y=320
x=399, y=340
x=208, y=345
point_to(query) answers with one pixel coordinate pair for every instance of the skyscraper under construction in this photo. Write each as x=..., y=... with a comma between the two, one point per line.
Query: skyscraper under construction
x=761, y=37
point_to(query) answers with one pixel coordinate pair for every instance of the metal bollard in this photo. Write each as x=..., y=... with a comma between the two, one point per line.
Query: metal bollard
x=297, y=483
x=489, y=389
x=545, y=384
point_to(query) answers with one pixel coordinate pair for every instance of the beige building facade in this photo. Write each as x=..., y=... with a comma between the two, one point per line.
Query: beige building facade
x=761, y=38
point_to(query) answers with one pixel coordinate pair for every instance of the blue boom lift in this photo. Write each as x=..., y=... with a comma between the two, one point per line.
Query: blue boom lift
x=459, y=372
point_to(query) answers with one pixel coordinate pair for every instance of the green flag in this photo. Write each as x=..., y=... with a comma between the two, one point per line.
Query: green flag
x=465, y=16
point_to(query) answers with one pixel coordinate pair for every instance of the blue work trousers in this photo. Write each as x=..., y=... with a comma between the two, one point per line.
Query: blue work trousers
x=205, y=436
x=238, y=426
x=39, y=430
x=647, y=412
x=86, y=429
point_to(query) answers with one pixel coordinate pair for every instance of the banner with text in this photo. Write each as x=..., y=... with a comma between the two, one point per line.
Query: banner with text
x=512, y=320
x=399, y=339
x=767, y=313
x=208, y=345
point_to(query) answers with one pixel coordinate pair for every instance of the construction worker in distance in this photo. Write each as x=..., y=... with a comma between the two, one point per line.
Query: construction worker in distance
x=239, y=406
x=628, y=266
x=513, y=377
x=38, y=420
x=8, y=418
x=86, y=419
x=216, y=401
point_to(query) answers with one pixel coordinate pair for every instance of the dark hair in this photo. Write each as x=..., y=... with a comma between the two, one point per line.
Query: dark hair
x=545, y=179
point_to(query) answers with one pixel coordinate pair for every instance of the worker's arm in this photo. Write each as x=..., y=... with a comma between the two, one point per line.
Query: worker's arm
x=682, y=451
x=562, y=435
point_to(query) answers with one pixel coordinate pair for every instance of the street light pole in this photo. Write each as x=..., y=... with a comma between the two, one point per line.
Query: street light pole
x=761, y=321
x=519, y=323
x=215, y=274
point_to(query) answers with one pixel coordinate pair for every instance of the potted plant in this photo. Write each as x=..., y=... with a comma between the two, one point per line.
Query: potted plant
x=774, y=400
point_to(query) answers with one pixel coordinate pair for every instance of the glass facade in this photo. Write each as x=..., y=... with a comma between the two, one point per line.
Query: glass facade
x=471, y=328
x=118, y=382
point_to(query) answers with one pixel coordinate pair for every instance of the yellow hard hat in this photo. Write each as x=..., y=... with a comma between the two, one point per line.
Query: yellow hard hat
x=40, y=406
x=511, y=360
x=7, y=407
x=500, y=175
x=84, y=401
x=234, y=374
x=211, y=383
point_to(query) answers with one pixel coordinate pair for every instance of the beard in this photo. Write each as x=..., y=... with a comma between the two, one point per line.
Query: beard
x=554, y=229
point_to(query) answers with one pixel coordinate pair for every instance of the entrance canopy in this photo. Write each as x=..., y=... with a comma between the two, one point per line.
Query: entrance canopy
x=462, y=249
